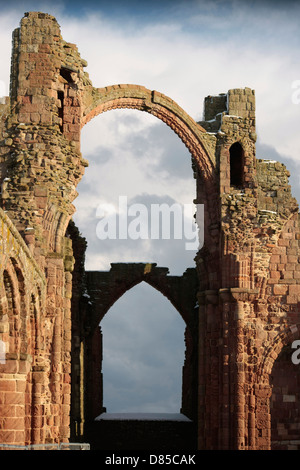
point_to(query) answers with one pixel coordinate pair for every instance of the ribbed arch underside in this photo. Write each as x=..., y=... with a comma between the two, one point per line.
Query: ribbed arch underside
x=162, y=107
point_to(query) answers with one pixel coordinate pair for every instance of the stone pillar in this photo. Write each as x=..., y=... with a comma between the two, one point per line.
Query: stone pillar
x=231, y=410
x=235, y=395
x=38, y=419
x=59, y=323
x=263, y=394
x=225, y=409
x=209, y=380
x=66, y=358
x=239, y=384
x=201, y=372
x=251, y=421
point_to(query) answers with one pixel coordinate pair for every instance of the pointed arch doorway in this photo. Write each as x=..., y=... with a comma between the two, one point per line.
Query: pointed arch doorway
x=143, y=354
x=153, y=350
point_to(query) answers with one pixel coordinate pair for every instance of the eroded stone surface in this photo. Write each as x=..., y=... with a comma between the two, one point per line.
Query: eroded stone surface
x=245, y=281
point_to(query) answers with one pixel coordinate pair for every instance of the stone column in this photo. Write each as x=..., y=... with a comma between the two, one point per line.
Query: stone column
x=38, y=419
x=263, y=394
x=234, y=427
x=59, y=327
x=239, y=385
x=224, y=437
x=209, y=370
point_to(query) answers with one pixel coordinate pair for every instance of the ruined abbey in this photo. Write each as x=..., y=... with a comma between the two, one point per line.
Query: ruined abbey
x=240, y=387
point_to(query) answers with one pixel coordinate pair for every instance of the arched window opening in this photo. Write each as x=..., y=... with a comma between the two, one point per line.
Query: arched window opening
x=236, y=165
x=61, y=97
x=14, y=340
x=9, y=291
x=33, y=326
x=133, y=155
x=22, y=313
x=285, y=402
x=137, y=166
x=143, y=354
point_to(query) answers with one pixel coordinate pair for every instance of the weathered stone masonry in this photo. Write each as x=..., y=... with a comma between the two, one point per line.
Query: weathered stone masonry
x=239, y=384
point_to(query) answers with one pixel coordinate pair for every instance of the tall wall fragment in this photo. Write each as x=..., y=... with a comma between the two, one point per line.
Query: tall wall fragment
x=247, y=272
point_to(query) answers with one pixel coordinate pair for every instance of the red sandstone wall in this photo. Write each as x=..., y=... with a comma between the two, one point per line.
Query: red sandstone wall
x=248, y=269
x=22, y=292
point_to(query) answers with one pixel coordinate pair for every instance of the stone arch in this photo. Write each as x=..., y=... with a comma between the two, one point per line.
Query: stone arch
x=138, y=335
x=140, y=98
x=12, y=308
x=270, y=374
x=99, y=100
x=22, y=310
x=105, y=288
x=11, y=368
x=55, y=224
x=282, y=339
x=260, y=401
x=8, y=307
x=127, y=96
x=155, y=284
x=285, y=399
x=191, y=133
x=19, y=278
x=111, y=285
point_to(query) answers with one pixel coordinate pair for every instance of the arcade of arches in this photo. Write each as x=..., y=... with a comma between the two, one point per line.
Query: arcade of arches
x=240, y=387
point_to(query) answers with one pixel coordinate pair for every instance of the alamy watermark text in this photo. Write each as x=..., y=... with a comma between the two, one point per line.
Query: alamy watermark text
x=159, y=222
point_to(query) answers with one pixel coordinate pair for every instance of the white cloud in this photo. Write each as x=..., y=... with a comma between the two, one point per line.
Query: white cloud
x=255, y=50
x=189, y=66
x=145, y=162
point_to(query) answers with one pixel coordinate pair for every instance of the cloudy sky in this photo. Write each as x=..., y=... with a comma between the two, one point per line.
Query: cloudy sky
x=186, y=49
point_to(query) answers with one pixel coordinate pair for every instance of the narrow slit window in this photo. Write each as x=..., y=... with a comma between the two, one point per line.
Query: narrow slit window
x=236, y=165
x=60, y=96
x=66, y=74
